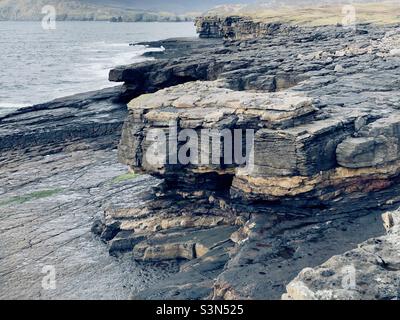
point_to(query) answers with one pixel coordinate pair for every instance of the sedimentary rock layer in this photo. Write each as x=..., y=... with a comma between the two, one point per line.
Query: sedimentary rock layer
x=318, y=134
x=82, y=116
x=237, y=27
x=323, y=106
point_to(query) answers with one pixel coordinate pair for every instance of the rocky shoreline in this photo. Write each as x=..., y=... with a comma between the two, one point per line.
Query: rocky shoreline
x=59, y=170
x=323, y=103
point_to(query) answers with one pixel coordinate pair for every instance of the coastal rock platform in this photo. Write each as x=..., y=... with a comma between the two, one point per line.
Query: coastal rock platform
x=323, y=105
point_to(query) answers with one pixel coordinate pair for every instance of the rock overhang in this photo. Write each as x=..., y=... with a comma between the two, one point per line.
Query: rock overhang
x=324, y=115
x=295, y=135
x=295, y=151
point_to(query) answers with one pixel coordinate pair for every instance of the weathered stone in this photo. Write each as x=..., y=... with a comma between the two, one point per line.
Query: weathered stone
x=391, y=219
x=50, y=196
x=237, y=27
x=124, y=241
x=376, y=144
x=82, y=116
x=325, y=149
x=303, y=132
x=370, y=272
x=188, y=244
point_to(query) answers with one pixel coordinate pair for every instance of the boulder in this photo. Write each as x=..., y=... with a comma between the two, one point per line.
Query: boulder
x=188, y=244
x=370, y=272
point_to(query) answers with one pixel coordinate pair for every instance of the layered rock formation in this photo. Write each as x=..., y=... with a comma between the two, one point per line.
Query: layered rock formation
x=237, y=27
x=308, y=146
x=323, y=106
x=63, y=121
x=59, y=170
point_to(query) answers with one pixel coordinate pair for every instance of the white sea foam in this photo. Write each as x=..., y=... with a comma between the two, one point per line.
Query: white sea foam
x=10, y=105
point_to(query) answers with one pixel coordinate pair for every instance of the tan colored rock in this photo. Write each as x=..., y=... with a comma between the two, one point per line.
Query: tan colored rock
x=185, y=244
x=349, y=180
x=142, y=225
x=167, y=251
x=209, y=103
x=142, y=219
x=391, y=219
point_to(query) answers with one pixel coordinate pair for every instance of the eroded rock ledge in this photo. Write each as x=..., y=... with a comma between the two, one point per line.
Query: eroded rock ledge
x=238, y=27
x=323, y=104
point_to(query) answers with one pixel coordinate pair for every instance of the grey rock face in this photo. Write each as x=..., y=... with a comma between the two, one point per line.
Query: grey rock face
x=59, y=171
x=237, y=27
x=369, y=272
x=83, y=116
x=314, y=130
x=326, y=153
x=271, y=249
x=49, y=200
x=375, y=144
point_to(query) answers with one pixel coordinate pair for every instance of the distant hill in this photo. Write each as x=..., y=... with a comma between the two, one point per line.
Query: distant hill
x=87, y=10
x=314, y=12
x=183, y=6
x=146, y=10
x=175, y=6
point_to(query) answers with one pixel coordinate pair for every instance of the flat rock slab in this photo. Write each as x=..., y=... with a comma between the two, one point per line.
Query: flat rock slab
x=82, y=116
x=47, y=207
x=185, y=244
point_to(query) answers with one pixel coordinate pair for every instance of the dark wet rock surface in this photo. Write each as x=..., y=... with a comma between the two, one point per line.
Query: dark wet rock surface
x=54, y=184
x=273, y=255
x=82, y=116
x=48, y=205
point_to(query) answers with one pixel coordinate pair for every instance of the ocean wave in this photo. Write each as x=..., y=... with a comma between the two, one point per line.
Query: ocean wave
x=10, y=105
x=73, y=59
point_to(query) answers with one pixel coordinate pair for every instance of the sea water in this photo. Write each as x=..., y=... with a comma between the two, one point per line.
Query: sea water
x=38, y=65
